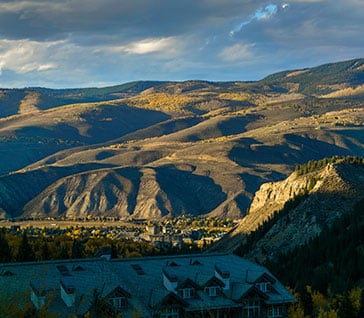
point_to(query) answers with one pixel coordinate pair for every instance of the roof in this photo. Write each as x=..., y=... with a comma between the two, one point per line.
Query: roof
x=45, y=277
x=142, y=280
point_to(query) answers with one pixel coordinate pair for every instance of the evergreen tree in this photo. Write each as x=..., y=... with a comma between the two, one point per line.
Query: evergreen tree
x=114, y=252
x=77, y=249
x=25, y=251
x=45, y=253
x=5, y=251
x=99, y=307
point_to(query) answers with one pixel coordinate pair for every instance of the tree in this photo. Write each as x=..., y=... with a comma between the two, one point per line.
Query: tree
x=350, y=303
x=25, y=251
x=99, y=307
x=45, y=254
x=5, y=251
x=77, y=249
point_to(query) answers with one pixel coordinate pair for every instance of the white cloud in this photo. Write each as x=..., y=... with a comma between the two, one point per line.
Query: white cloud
x=67, y=43
x=23, y=56
x=237, y=52
x=167, y=46
x=151, y=45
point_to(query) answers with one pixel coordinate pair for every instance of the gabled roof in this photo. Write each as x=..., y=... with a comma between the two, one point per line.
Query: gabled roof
x=6, y=272
x=213, y=281
x=252, y=292
x=171, y=299
x=188, y=283
x=118, y=292
x=265, y=278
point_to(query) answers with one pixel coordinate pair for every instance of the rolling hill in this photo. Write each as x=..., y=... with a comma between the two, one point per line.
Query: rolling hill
x=160, y=149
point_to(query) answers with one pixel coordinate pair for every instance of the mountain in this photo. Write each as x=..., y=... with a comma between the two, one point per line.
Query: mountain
x=286, y=214
x=160, y=149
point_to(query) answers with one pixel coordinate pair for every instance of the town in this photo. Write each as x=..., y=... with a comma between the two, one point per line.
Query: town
x=184, y=231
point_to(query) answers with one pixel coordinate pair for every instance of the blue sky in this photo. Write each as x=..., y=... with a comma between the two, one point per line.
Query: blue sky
x=80, y=43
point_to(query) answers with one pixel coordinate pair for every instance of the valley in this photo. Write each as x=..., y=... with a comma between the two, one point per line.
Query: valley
x=269, y=170
x=152, y=150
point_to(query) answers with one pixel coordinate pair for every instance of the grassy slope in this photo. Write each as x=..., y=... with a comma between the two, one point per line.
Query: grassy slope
x=237, y=134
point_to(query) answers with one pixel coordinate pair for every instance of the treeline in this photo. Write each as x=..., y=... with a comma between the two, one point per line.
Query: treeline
x=332, y=264
x=315, y=165
x=22, y=248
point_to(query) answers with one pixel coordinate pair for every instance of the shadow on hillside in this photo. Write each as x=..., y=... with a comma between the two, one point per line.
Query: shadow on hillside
x=236, y=125
x=187, y=192
x=295, y=149
x=110, y=122
x=19, y=188
x=134, y=175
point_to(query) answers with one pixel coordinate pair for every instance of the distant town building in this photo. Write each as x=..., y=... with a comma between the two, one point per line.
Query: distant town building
x=203, y=285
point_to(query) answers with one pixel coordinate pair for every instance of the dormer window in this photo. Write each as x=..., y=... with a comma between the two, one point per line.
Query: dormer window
x=213, y=291
x=264, y=283
x=118, y=298
x=265, y=287
x=118, y=303
x=186, y=293
x=214, y=287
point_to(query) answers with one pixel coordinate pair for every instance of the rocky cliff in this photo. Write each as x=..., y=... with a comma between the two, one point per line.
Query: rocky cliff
x=329, y=193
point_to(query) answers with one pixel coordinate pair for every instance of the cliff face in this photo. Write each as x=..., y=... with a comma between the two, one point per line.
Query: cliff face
x=331, y=192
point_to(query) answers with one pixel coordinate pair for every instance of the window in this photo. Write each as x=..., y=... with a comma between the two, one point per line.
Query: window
x=264, y=287
x=186, y=293
x=251, y=309
x=169, y=313
x=275, y=311
x=118, y=302
x=213, y=291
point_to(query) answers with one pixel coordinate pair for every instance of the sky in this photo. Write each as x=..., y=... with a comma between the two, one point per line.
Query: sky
x=96, y=43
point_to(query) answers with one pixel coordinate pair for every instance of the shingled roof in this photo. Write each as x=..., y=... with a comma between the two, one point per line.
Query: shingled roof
x=142, y=281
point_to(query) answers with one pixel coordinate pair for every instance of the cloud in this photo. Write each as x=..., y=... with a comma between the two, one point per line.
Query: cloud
x=166, y=46
x=263, y=13
x=151, y=45
x=23, y=56
x=74, y=43
x=237, y=52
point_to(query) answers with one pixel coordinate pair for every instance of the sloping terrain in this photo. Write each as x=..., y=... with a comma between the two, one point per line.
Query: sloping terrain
x=316, y=200
x=153, y=149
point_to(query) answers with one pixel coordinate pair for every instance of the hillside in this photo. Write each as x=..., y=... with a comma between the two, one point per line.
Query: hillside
x=288, y=213
x=308, y=229
x=159, y=149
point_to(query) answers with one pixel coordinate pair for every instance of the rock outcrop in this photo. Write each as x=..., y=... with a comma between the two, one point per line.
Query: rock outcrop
x=330, y=193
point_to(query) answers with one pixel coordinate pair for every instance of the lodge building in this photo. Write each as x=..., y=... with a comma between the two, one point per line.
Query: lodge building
x=202, y=285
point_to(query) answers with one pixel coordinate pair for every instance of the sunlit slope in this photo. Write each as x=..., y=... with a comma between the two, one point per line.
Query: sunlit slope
x=188, y=147
x=235, y=164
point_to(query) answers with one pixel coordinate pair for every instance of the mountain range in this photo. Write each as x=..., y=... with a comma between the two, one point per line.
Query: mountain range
x=148, y=149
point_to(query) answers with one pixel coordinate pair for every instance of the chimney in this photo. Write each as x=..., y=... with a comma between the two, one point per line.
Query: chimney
x=68, y=291
x=170, y=279
x=38, y=294
x=223, y=274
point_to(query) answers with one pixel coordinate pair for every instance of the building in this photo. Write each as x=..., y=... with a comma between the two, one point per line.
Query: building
x=203, y=285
